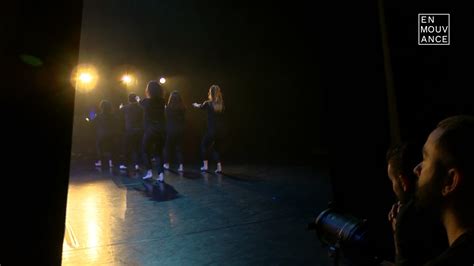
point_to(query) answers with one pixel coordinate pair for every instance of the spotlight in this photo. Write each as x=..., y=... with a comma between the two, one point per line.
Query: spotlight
x=127, y=79
x=162, y=80
x=84, y=78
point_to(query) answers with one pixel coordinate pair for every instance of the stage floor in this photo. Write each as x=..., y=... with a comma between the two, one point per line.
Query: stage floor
x=250, y=215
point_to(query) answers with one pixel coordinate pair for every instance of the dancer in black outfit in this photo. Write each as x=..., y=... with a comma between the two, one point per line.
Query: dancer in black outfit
x=154, y=128
x=133, y=119
x=175, y=121
x=214, y=106
x=106, y=126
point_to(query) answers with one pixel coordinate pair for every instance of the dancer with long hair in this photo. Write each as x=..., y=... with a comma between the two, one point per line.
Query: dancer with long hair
x=214, y=106
x=154, y=128
x=175, y=121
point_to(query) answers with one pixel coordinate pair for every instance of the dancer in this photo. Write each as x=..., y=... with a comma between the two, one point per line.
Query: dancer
x=175, y=120
x=106, y=127
x=133, y=118
x=214, y=106
x=154, y=128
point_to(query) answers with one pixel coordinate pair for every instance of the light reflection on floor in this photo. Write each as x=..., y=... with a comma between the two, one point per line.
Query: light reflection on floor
x=192, y=220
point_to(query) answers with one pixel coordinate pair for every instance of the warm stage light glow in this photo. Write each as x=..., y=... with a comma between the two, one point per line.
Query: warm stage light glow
x=127, y=79
x=84, y=78
x=162, y=80
x=91, y=223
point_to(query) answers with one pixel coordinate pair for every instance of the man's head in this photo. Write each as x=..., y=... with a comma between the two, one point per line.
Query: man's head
x=446, y=174
x=132, y=98
x=105, y=107
x=401, y=159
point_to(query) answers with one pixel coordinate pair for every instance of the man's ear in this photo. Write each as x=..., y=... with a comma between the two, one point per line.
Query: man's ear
x=452, y=182
x=405, y=184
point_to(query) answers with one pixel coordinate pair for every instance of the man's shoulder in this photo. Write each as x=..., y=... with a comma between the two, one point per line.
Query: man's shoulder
x=460, y=253
x=459, y=259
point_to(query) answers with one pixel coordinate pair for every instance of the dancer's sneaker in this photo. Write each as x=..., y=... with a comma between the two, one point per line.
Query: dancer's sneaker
x=204, y=167
x=161, y=178
x=219, y=168
x=149, y=174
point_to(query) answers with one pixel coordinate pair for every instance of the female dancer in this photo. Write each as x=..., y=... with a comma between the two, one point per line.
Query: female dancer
x=154, y=128
x=214, y=106
x=106, y=126
x=175, y=121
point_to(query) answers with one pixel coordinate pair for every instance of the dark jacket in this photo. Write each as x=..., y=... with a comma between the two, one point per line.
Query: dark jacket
x=153, y=114
x=133, y=117
x=106, y=125
x=175, y=120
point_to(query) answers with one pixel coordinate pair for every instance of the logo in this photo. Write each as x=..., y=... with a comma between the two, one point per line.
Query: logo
x=433, y=29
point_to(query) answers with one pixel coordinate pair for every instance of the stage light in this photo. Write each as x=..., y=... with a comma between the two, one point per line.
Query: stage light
x=162, y=80
x=84, y=78
x=127, y=79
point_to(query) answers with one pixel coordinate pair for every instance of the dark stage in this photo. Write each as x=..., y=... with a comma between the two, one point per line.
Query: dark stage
x=315, y=94
x=249, y=215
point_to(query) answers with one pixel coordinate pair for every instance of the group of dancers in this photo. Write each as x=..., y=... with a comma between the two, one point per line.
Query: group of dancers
x=150, y=129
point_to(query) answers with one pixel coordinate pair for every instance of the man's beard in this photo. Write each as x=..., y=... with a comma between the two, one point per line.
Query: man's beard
x=428, y=198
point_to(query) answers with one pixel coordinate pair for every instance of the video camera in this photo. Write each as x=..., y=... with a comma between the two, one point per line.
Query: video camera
x=347, y=238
